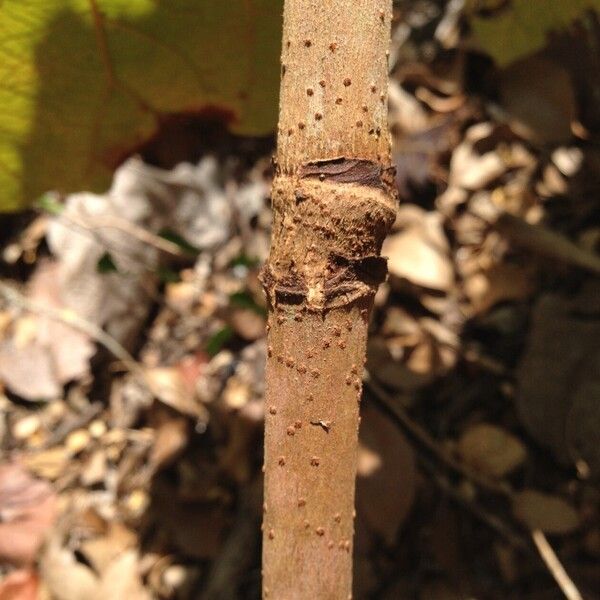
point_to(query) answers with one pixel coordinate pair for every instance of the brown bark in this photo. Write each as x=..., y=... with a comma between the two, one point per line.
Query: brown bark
x=332, y=205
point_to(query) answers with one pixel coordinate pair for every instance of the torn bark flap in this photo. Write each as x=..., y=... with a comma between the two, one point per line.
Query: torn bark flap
x=351, y=278
x=345, y=170
x=287, y=290
x=355, y=277
x=371, y=270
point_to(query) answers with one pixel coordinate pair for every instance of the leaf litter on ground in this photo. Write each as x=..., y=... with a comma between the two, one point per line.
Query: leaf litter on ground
x=152, y=489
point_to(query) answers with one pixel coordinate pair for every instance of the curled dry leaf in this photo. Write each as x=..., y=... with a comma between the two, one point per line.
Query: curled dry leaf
x=470, y=169
x=237, y=393
x=492, y=450
x=393, y=373
x=406, y=112
x=94, y=469
x=65, y=577
x=170, y=439
x=170, y=386
x=551, y=514
x=386, y=479
x=411, y=352
x=102, y=550
x=49, y=464
x=71, y=349
x=247, y=323
x=544, y=114
x=124, y=224
x=385, y=489
x=43, y=354
x=121, y=580
x=28, y=371
x=500, y=283
x=420, y=254
x=27, y=511
x=558, y=377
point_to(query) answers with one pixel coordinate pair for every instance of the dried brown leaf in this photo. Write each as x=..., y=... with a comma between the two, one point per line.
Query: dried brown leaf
x=470, y=169
x=544, y=113
x=171, y=387
x=386, y=479
x=551, y=514
x=420, y=254
x=491, y=450
x=64, y=576
x=102, y=550
x=558, y=377
x=94, y=469
x=500, y=283
x=391, y=372
x=27, y=511
x=49, y=464
x=247, y=323
x=121, y=580
x=170, y=439
x=43, y=354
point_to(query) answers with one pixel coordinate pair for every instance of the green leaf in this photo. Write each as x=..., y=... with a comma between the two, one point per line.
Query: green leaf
x=106, y=264
x=166, y=275
x=84, y=82
x=523, y=27
x=218, y=340
x=174, y=237
x=243, y=260
x=50, y=204
x=245, y=300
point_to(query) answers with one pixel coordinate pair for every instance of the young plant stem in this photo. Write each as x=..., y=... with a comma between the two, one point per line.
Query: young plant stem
x=333, y=205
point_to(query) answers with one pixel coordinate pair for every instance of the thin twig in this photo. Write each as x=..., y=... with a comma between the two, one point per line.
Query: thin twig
x=418, y=434
x=81, y=420
x=514, y=538
x=135, y=231
x=545, y=242
x=568, y=588
x=239, y=549
x=139, y=233
x=69, y=317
